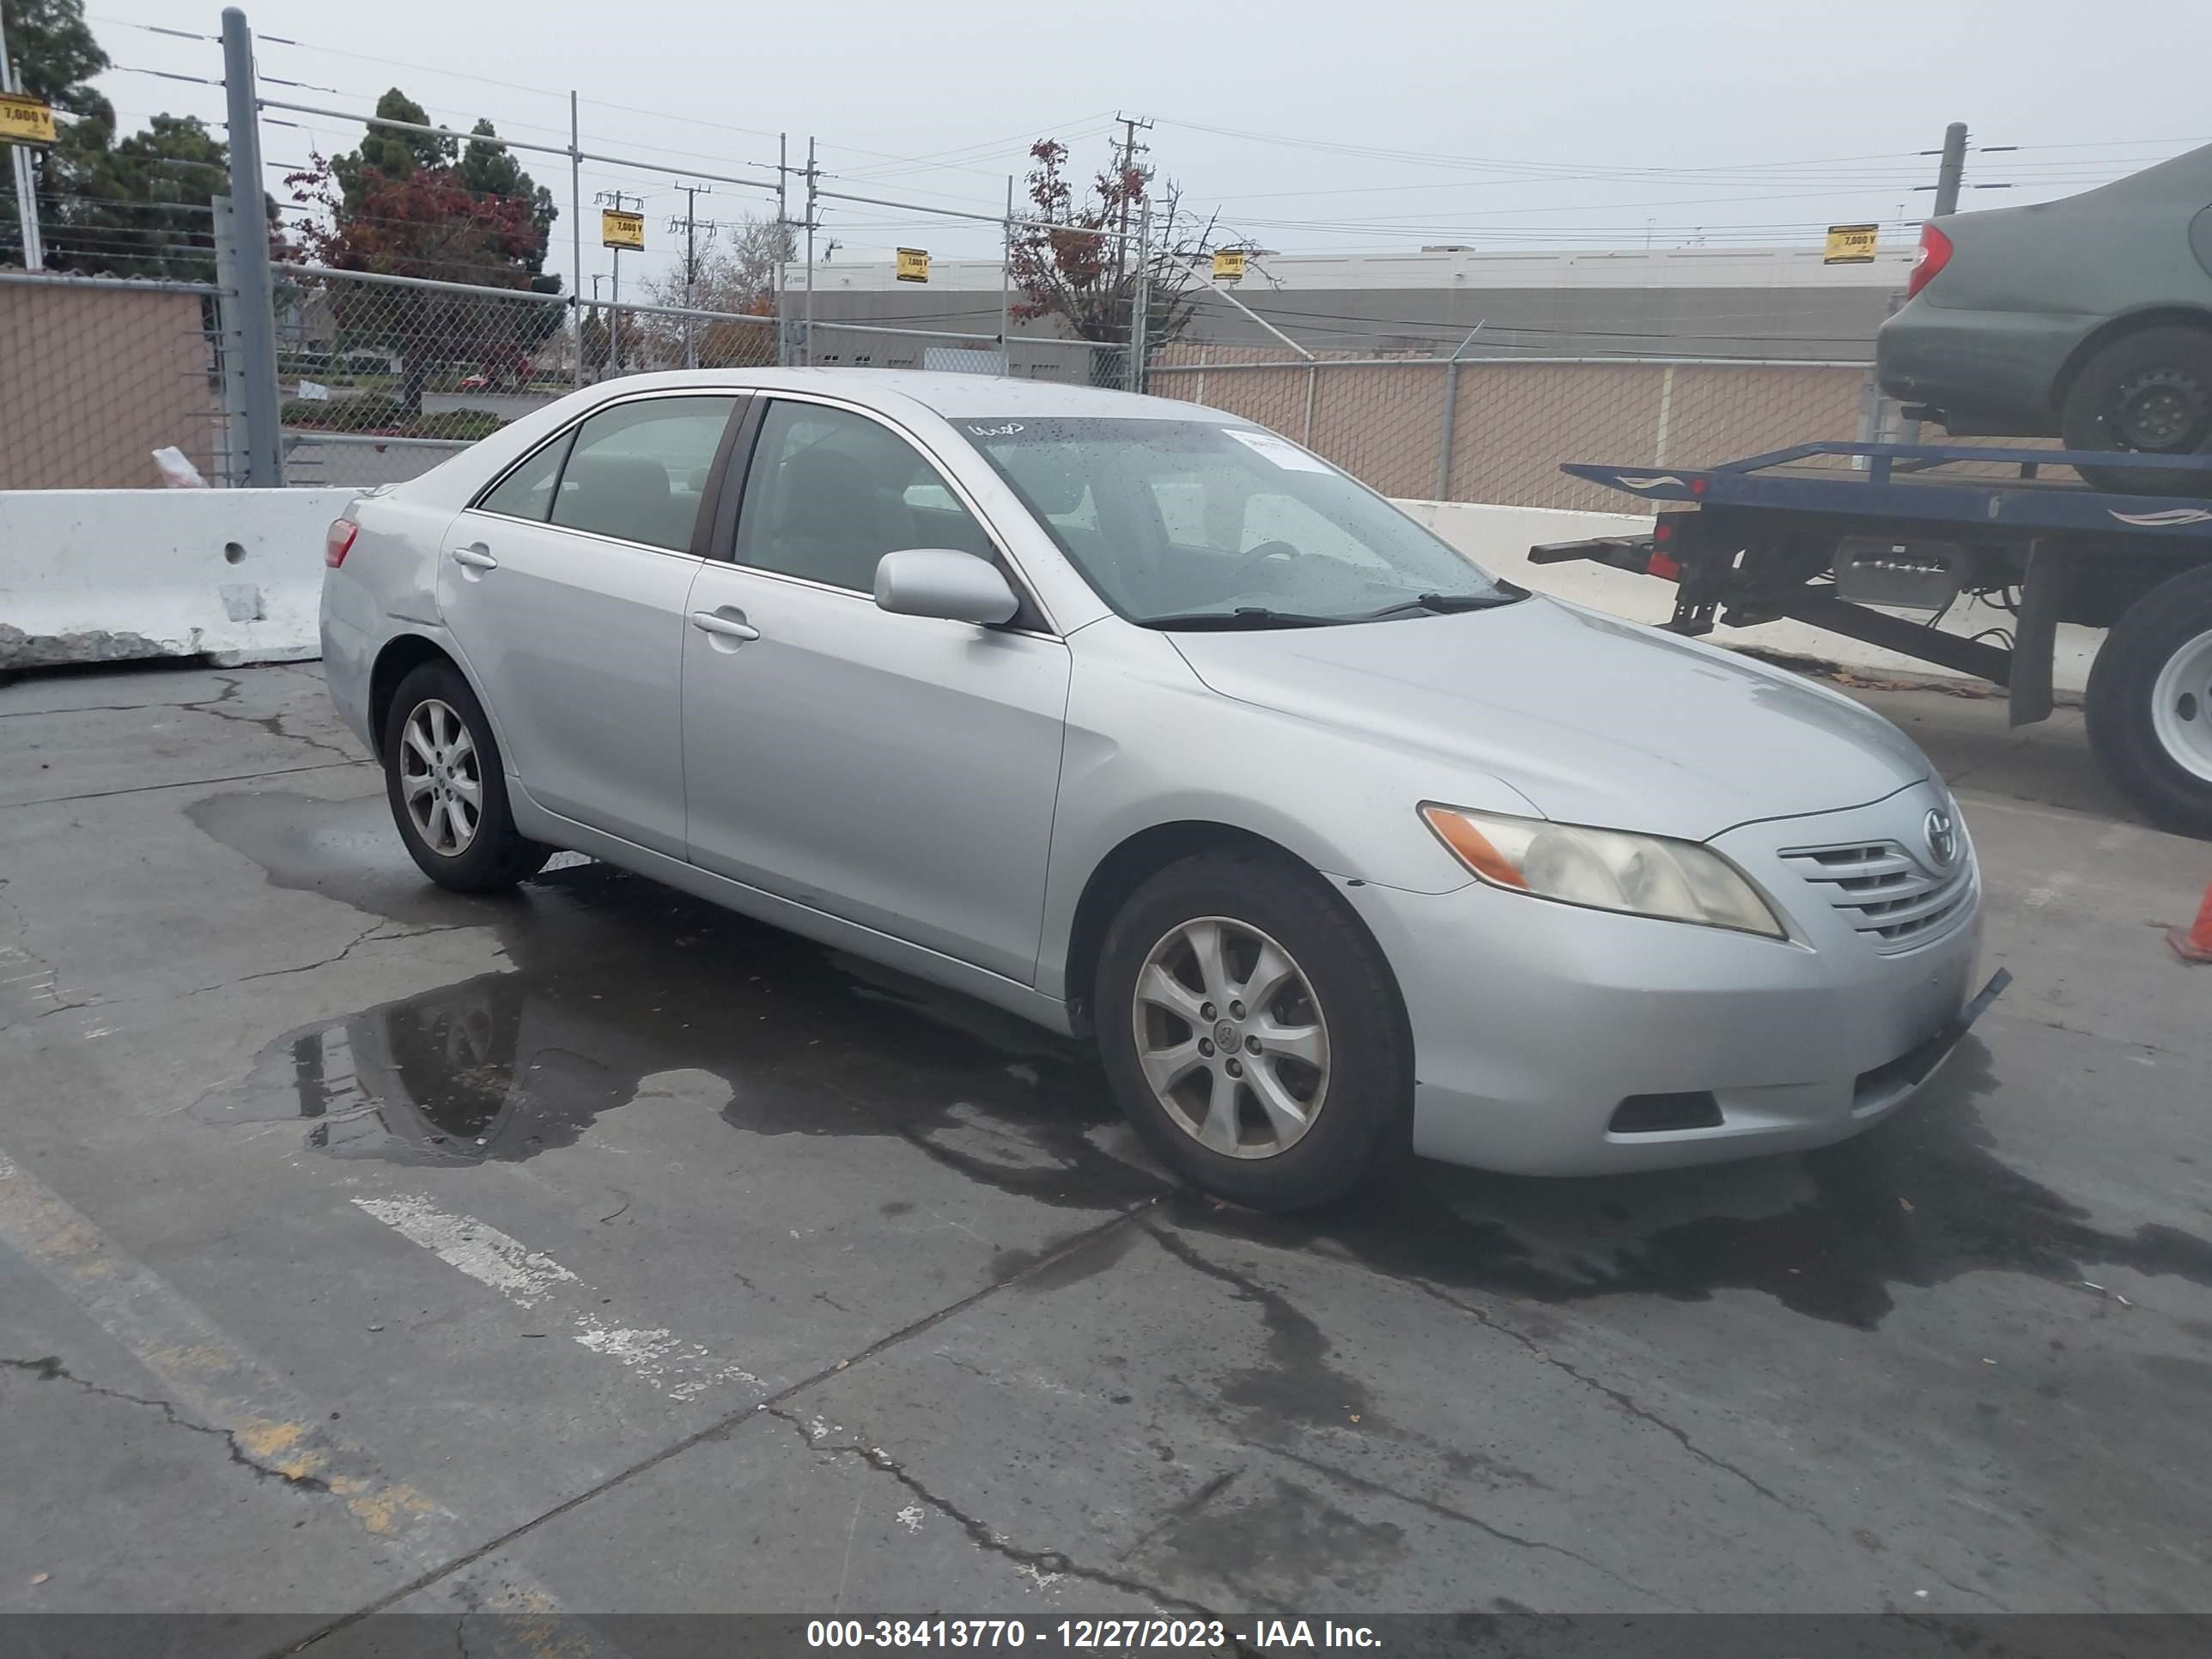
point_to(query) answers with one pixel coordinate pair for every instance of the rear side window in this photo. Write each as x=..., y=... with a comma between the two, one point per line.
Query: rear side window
x=638, y=471
x=527, y=492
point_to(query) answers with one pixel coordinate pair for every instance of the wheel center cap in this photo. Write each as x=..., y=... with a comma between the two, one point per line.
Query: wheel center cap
x=1225, y=1036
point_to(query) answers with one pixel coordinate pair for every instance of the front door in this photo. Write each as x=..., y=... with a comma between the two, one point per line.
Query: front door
x=565, y=588
x=896, y=771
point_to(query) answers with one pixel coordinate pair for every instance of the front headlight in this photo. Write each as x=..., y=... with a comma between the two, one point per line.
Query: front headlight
x=1605, y=869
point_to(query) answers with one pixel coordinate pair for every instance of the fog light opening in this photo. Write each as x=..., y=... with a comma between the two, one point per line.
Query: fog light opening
x=1651, y=1115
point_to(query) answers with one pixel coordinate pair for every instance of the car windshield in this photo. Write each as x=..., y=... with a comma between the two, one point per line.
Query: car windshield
x=1190, y=524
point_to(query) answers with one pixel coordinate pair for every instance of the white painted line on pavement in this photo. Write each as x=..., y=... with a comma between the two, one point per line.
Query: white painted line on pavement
x=680, y=1370
x=483, y=1251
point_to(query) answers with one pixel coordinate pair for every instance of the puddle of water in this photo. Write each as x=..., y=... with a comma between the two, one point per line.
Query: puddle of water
x=616, y=979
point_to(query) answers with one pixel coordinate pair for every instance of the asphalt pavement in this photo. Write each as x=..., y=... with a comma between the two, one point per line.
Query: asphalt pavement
x=364, y=1247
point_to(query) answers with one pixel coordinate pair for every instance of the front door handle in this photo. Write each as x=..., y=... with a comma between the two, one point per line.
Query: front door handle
x=730, y=628
x=475, y=557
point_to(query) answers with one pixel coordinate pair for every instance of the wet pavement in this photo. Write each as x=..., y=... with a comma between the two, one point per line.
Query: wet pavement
x=363, y=1245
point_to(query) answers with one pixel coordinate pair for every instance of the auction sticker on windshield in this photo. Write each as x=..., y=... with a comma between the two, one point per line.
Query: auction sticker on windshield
x=1280, y=451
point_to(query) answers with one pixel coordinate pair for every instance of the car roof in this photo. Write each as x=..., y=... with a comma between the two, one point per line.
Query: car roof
x=954, y=396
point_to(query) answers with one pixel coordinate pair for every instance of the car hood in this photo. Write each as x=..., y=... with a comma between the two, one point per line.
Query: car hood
x=1594, y=721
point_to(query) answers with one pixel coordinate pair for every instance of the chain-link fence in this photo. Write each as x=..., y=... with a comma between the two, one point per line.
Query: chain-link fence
x=1494, y=430
x=98, y=372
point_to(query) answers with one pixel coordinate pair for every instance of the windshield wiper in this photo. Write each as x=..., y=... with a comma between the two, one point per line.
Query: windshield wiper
x=1243, y=616
x=1444, y=604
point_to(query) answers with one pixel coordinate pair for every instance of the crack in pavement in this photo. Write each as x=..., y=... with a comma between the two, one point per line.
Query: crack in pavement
x=720, y=1429
x=1039, y=1563
x=183, y=783
x=1445, y=1511
x=1623, y=1400
x=48, y=1368
x=364, y=937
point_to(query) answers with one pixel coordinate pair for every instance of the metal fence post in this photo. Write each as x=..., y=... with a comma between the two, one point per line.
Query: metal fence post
x=263, y=457
x=1313, y=380
x=1005, y=280
x=19, y=159
x=1140, y=302
x=576, y=227
x=229, y=353
x=1445, y=439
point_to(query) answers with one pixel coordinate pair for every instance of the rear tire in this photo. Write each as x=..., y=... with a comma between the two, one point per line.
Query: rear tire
x=2149, y=707
x=2148, y=393
x=1295, y=1099
x=447, y=789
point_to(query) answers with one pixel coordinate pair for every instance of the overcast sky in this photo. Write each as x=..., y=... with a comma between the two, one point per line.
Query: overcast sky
x=1386, y=124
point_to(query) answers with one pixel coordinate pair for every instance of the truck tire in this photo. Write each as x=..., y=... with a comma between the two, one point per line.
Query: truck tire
x=2150, y=704
x=2148, y=393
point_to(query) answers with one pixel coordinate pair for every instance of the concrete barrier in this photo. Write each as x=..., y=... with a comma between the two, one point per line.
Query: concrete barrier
x=1498, y=539
x=106, y=576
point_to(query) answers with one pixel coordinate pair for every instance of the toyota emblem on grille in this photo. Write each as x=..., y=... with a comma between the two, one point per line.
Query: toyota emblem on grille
x=1943, y=837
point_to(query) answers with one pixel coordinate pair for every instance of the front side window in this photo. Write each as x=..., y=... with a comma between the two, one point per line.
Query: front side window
x=1188, y=523
x=831, y=492
x=638, y=471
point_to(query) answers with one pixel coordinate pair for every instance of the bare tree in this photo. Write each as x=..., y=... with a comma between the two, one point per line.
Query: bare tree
x=738, y=277
x=1070, y=264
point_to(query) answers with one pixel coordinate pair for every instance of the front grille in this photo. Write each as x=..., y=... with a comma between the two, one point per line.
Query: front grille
x=1892, y=898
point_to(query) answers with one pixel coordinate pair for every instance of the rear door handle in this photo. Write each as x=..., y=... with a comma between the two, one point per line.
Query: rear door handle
x=475, y=557
x=730, y=628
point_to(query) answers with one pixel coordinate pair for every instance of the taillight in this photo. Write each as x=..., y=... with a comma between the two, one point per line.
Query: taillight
x=337, y=541
x=1935, y=254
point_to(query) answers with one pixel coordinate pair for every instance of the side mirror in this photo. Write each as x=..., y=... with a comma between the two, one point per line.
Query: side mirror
x=943, y=582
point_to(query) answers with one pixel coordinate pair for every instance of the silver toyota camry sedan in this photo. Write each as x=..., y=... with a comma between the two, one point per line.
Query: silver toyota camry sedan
x=1142, y=722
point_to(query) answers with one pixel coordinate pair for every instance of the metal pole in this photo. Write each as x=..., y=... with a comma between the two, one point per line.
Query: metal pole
x=806, y=331
x=227, y=343
x=1313, y=378
x=1952, y=170
x=1005, y=281
x=257, y=312
x=26, y=187
x=1140, y=301
x=1451, y=414
x=576, y=227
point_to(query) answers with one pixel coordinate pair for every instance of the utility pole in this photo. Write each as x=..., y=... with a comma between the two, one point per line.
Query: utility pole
x=26, y=195
x=620, y=203
x=1951, y=171
x=813, y=183
x=691, y=224
x=1130, y=151
x=782, y=240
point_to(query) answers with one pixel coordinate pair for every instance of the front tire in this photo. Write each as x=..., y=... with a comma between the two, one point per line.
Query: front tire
x=2149, y=707
x=447, y=789
x=1253, y=1033
x=2148, y=393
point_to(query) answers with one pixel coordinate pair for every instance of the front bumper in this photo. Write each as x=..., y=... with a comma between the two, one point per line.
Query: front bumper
x=1532, y=1021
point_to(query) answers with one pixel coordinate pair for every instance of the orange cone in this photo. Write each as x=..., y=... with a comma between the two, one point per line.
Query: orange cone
x=2195, y=945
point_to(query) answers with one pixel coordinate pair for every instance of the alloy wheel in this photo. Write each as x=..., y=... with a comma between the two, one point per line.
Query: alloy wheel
x=1230, y=1038
x=441, y=778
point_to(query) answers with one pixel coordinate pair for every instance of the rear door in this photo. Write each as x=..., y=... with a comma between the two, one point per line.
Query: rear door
x=564, y=588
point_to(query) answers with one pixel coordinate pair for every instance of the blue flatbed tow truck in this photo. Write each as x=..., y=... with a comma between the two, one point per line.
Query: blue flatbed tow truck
x=1877, y=542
